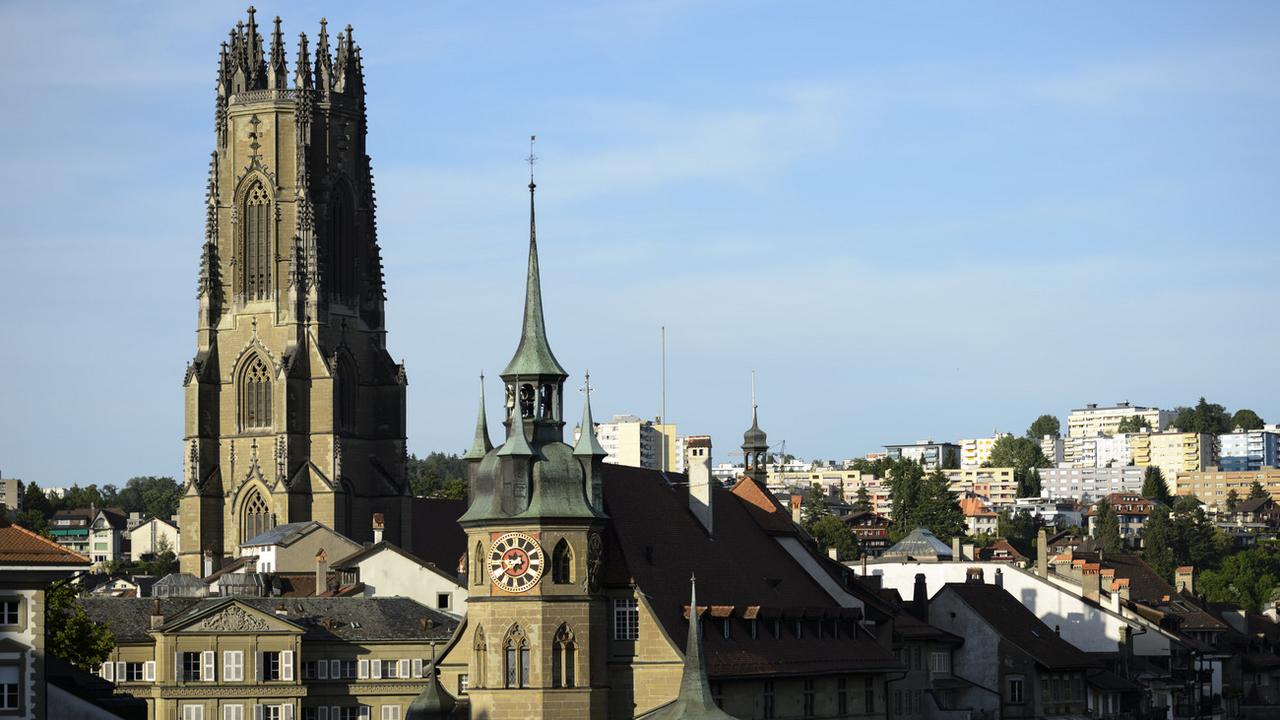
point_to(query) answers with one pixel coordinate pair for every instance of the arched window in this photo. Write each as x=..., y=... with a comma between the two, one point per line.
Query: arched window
x=348, y=393
x=477, y=565
x=564, y=659
x=481, y=648
x=342, y=245
x=562, y=563
x=255, y=395
x=256, y=517
x=258, y=256
x=515, y=653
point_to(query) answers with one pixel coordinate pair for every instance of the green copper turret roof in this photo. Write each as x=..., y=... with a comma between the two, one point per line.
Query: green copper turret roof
x=533, y=355
x=481, y=445
x=694, y=701
x=587, y=443
x=433, y=703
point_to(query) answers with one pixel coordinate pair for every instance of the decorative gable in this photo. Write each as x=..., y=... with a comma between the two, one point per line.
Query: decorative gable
x=236, y=618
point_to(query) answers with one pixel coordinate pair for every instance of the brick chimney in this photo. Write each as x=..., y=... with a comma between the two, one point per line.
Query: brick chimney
x=1184, y=579
x=322, y=572
x=379, y=524
x=1090, y=581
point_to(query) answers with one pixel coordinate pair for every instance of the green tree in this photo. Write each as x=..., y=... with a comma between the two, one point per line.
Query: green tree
x=904, y=490
x=1183, y=535
x=863, y=499
x=150, y=495
x=938, y=509
x=813, y=506
x=1133, y=424
x=1028, y=482
x=1153, y=485
x=1020, y=529
x=1246, y=419
x=81, y=497
x=34, y=500
x=1158, y=540
x=1044, y=425
x=1017, y=452
x=1247, y=578
x=430, y=476
x=832, y=532
x=1257, y=492
x=70, y=634
x=1233, y=499
x=33, y=521
x=1205, y=417
x=1107, y=527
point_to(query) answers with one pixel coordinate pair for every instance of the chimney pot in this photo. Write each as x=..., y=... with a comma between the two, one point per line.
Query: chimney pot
x=920, y=597
x=973, y=575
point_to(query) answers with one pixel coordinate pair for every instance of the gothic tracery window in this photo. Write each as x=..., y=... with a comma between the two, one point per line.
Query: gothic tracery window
x=515, y=654
x=481, y=648
x=255, y=395
x=256, y=517
x=562, y=563
x=477, y=566
x=255, y=273
x=564, y=659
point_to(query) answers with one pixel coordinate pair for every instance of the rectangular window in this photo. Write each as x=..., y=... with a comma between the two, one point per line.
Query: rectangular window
x=208, y=659
x=133, y=672
x=233, y=665
x=842, y=697
x=9, y=687
x=1014, y=689
x=190, y=668
x=940, y=662
x=335, y=670
x=271, y=666
x=768, y=699
x=443, y=600
x=349, y=668
x=232, y=712
x=192, y=712
x=626, y=619
x=462, y=684
x=869, y=694
x=808, y=697
x=390, y=669
x=271, y=712
x=9, y=611
x=753, y=628
x=308, y=669
x=390, y=712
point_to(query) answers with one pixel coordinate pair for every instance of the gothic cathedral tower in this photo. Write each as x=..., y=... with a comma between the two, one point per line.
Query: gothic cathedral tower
x=294, y=409
x=535, y=641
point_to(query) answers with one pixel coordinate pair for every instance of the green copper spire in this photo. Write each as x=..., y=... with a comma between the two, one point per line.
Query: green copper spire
x=587, y=443
x=533, y=356
x=694, y=701
x=482, y=445
x=517, y=443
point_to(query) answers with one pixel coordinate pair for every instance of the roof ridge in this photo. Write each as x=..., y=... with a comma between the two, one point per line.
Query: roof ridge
x=46, y=541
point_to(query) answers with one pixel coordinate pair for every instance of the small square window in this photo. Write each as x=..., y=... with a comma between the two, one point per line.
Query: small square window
x=443, y=600
x=9, y=611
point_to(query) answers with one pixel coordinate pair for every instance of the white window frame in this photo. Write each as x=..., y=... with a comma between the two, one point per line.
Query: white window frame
x=417, y=666
x=362, y=669
x=233, y=665
x=234, y=711
x=390, y=712
x=149, y=671
x=629, y=610
x=404, y=668
x=375, y=669
x=108, y=671
x=286, y=667
x=322, y=670
x=335, y=669
x=208, y=663
x=192, y=712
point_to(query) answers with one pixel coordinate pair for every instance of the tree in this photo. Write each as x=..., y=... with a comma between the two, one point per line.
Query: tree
x=1247, y=578
x=814, y=506
x=832, y=532
x=1233, y=499
x=34, y=500
x=1133, y=424
x=1246, y=419
x=904, y=489
x=1183, y=535
x=1028, y=482
x=1205, y=417
x=1107, y=527
x=1257, y=492
x=1020, y=529
x=1158, y=540
x=1044, y=425
x=430, y=476
x=1017, y=452
x=150, y=495
x=1153, y=485
x=70, y=634
x=862, y=501
x=34, y=521
x=938, y=508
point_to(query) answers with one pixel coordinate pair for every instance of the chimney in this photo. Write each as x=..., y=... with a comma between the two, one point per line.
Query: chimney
x=207, y=563
x=1184, y=579
x=251, y=563
x=999, y=579
x=378, y=526
x=1090, y=579
x=920, y=598
x=697, y=463
x=970, y=551
x=281, y=610
x=1042, y=553
x=973, y=575
x=955, y=550
x=322, y=572
x=157, y=617
x=833, y=553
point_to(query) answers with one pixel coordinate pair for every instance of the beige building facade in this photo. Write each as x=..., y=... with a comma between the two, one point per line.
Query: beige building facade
x=1174, y=453
x=1093, y=420
x=1212, y=486
x=294, y=408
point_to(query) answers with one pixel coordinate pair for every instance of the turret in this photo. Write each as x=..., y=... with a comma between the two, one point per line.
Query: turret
x=589, y=451
x=755, y=444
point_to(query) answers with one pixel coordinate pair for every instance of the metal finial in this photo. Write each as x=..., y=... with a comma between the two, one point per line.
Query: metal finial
x=531, y=160
x=753, y=390
x=586, y=385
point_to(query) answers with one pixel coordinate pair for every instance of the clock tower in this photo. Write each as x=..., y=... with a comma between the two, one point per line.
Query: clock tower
x=536, y=618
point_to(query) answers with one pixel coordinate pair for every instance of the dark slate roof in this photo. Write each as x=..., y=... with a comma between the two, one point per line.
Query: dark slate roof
x=1019, y=626
x=283, y=534
x=655, y=540
x=355, y=619
x=437, y=536
x=93, y=689
x=1252, y=505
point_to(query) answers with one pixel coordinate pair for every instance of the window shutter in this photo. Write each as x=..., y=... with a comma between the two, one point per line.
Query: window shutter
x=364, y=712
x=207, y=661
x=287, y=713
x=375, y=669
x=149, y=671
x=257, y=665
x=286, y=668
x=322, y=670
x=403, y=670
x=417, y=667
x=323, y=713
x=108, y=671
x=120, y=674
x=335, y=713
x=335, y=669
x=362, y=669
x=386, y=712
x=177, y=667
x=257, y=712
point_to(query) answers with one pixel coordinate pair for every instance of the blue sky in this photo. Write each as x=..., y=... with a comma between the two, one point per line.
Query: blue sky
x=914, y=220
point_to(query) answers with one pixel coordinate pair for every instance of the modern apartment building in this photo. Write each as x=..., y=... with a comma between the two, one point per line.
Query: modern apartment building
x=932, y=455
x=1212, y=486
x=975, y=452
x=1089, y=483
x=1054, y=449
x=1174, y=453
x=997, y=485
x=11, y=493
x=1249, y=450
x=1092, y=420
x=1097, y=451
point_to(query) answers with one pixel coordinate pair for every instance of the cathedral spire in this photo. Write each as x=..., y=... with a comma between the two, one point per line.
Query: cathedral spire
x=278, y=74
x=482, y=445
x=533, y=355
x=302, y=66
x=324, y=61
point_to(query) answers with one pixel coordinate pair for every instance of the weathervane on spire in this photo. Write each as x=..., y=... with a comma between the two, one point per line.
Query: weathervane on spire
x=531, y=159
x=586, y=385
x=753, y=390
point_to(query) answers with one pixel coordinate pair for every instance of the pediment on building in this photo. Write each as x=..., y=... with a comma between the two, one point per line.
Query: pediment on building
x=232, y=617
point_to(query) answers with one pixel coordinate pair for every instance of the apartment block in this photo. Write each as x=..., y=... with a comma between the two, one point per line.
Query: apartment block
x=628, y=440
x=11, y=493
x=1212, y=486
x=997, y=485
x=1249, y=450
x=1092, y=420
x=1175, y=453
x=1089, y=483
x=975, y=452
x=1097, y=451
x=1054, y=449
x=932, y=455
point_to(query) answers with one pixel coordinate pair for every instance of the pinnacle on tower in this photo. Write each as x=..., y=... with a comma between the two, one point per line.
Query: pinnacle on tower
x=587, y=443
x=481, y=445
x=324, y=61
x=278, y=76
x=302, y=65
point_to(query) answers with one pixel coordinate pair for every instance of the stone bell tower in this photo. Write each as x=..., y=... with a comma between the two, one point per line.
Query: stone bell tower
x=294, y=408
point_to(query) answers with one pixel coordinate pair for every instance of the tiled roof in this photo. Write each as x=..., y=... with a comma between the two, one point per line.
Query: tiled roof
x=763, y=507
x=1019, y=626
x=20, y=546
x=355, y=619
x=974, y=507
x=1253, y=505
x=658, y=542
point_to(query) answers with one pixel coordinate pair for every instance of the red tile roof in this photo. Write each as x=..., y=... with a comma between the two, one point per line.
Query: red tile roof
x=19, y=546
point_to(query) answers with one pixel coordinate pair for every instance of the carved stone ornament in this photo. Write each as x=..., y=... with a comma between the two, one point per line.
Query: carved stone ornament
x=233, y=619
x=595, y=561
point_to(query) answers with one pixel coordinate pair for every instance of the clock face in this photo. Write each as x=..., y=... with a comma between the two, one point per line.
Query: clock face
x=515, y=562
